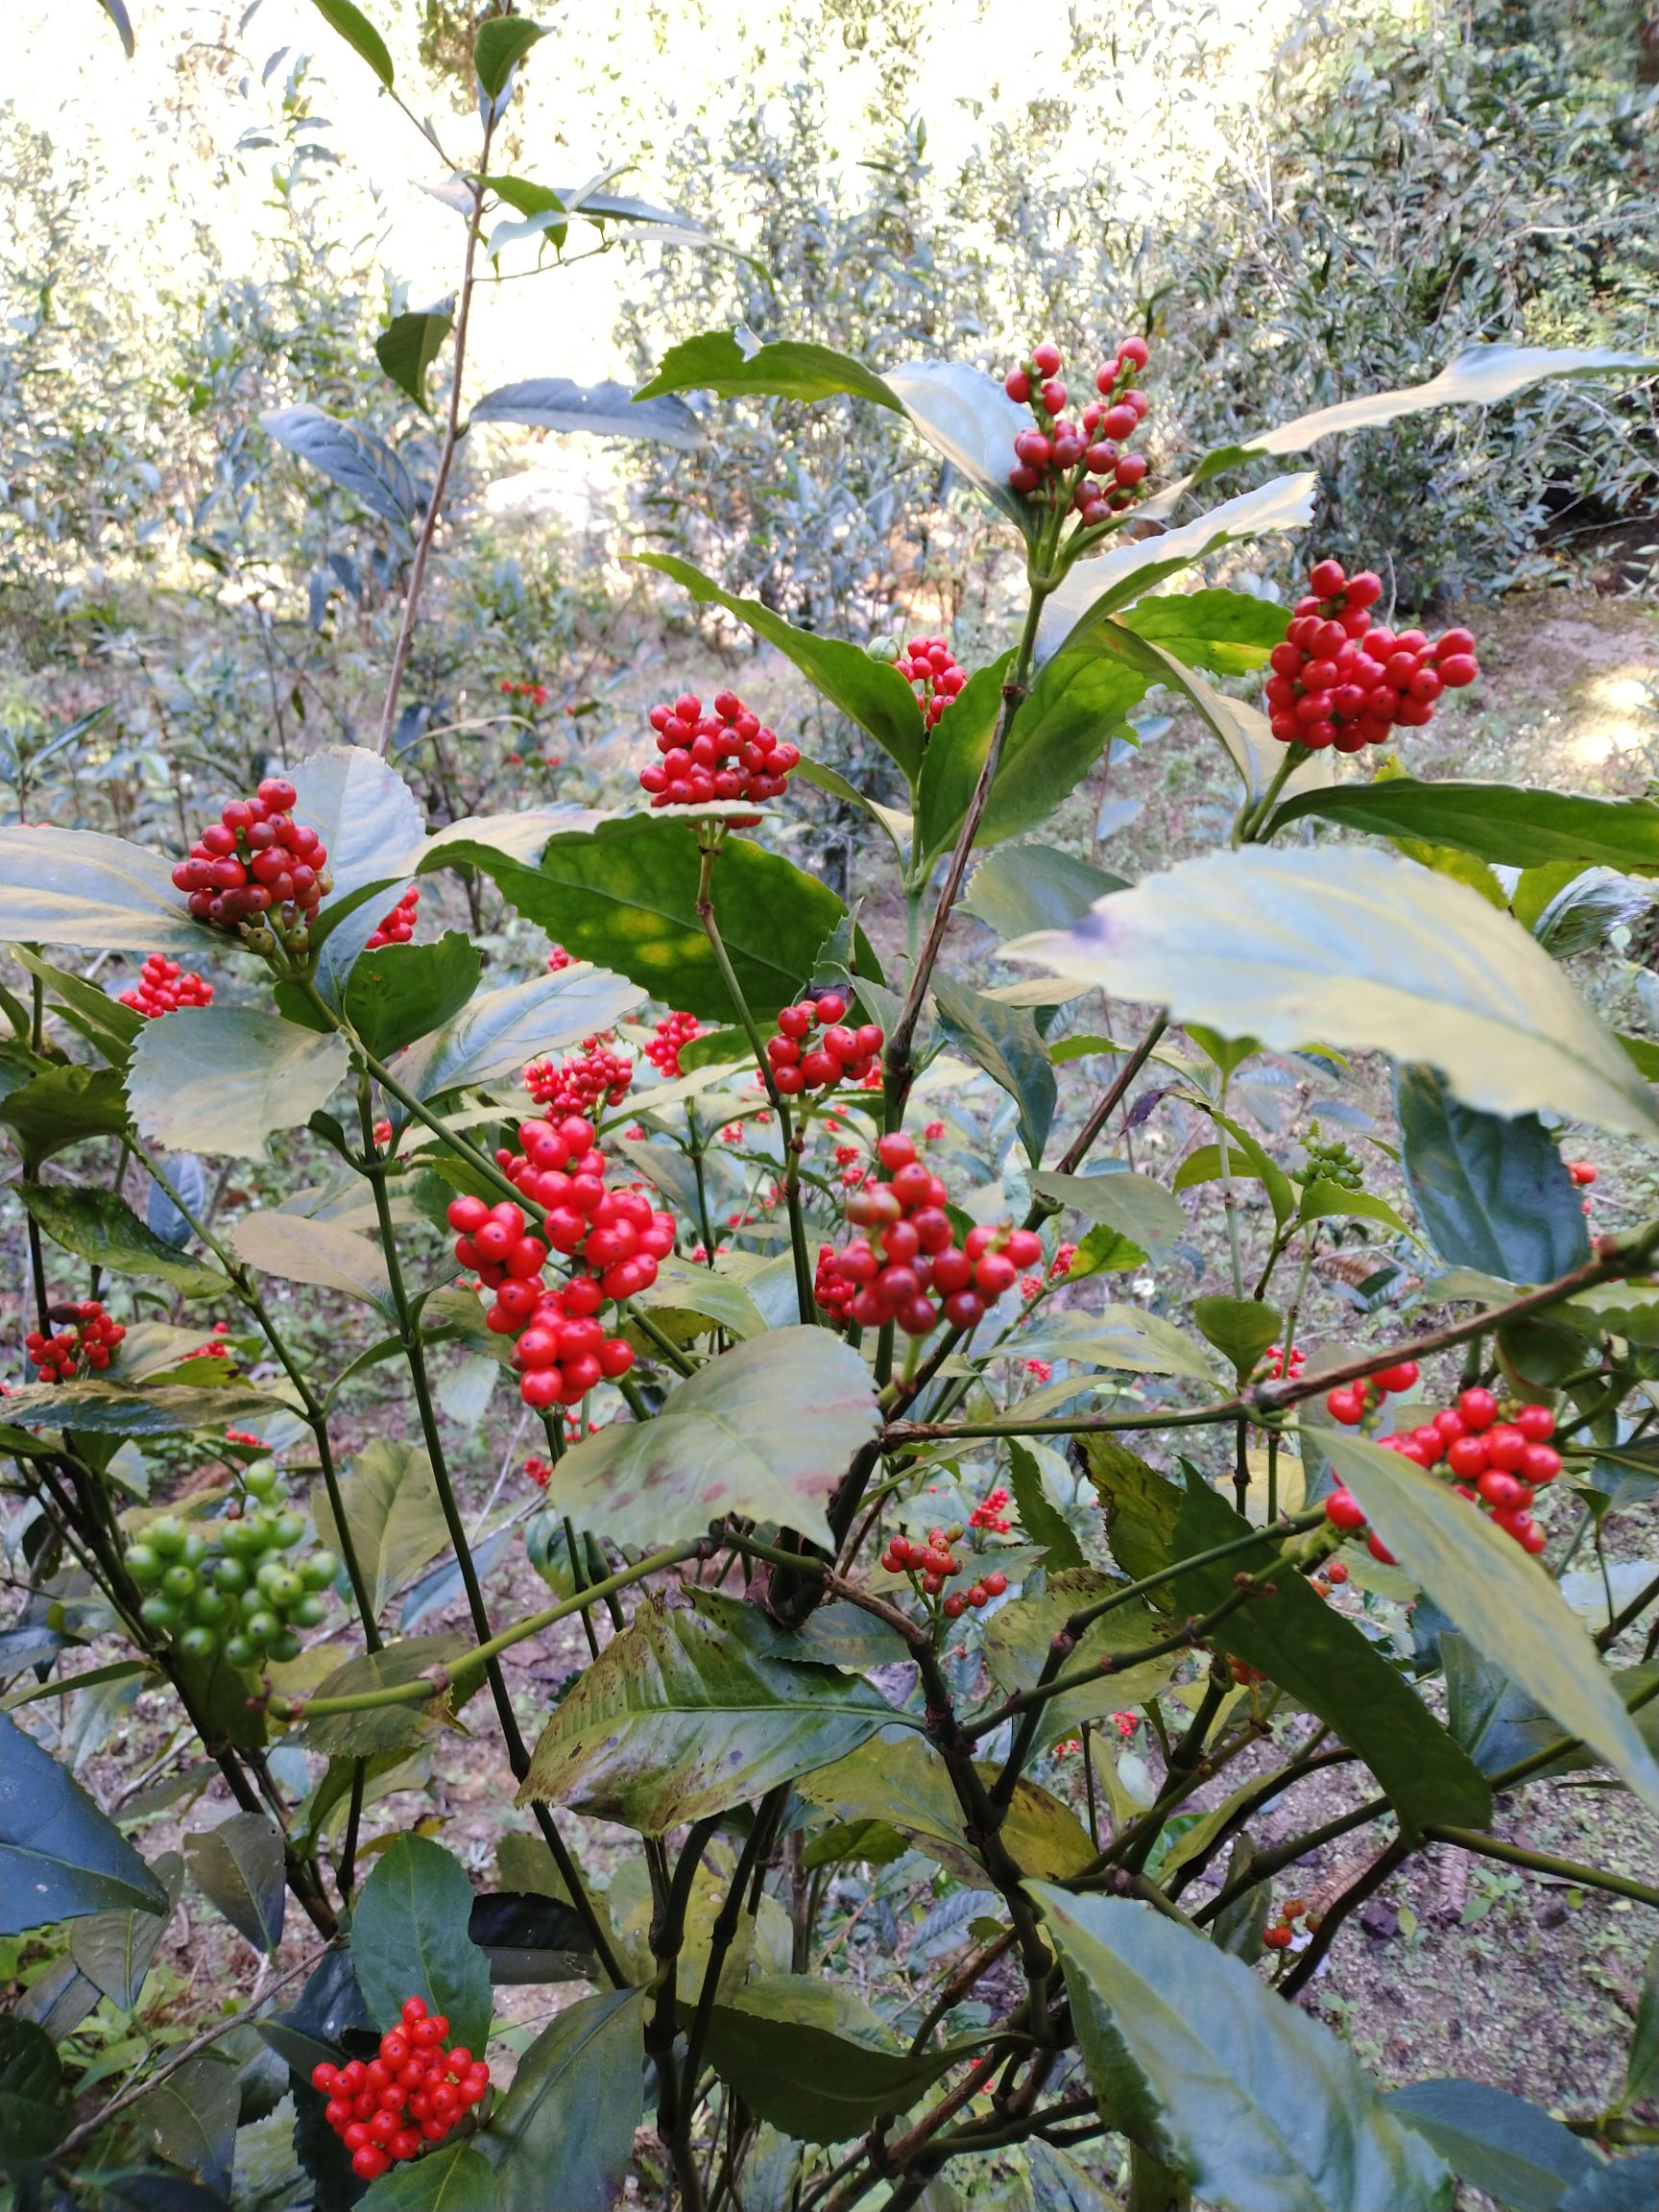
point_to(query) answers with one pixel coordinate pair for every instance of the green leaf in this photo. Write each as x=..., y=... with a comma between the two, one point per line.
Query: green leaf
x=1141, y=1507
x=1490, y=1192
x=500, y=45
x=1286, y=2121
x=1296, y=1639
x=79, y=887
x=365, y=1735
x=60, y=1858
x=1642, y=2068
x=108, y=1025
x=359, y=34
x=1116, y=1337
x=1240, y=1328
x=223, y=1078
x=499, y=1031
x=1024, y=887
x=114, y=1950
x=116, y=11
x=361, y=464
x=399, y=993
x=872, y=693
x=906, y=1784
x=455, y=2178
x=1104, y=1251
x=573, y=2108
x=1480, y=376
x=625, y=897
x=1134, y=1205
x=409, y=1937
x=1039, y=1516
x=717, y=362
x=1078, y=704
x=1005, y=1042
x=597, y=410
x=968, y=417
x=365, y=814
x=304, y=1250
x=393, y=1512
x=1363, y=952
x=171, y=1409
x=1094, y=590
x=61, y=1106
x=684, y=1286
x=683, y=1715
x=1495, y=2142
x=1323, y=1201
x=766, y=1431
x=1018, y=1639
x=238, y=1866
x=956, y=758
x=810, y=2057
x=870, y=1843
x=1501, y=822
x=1229, y=633
x=190, y=2119
x=102, y=1228
x=408, y=346
x=1503, y=1601
x=34, y=2101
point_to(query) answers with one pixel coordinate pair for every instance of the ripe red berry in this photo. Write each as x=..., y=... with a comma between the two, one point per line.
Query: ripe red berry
x=1400, y=1376
x=1045, y=357
x=1479, y=1409
x=1343, y=1510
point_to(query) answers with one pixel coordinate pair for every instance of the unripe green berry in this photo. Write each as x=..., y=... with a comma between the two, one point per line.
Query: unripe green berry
x=166, y=1537
x=249, y=1602
x=262, y=1628
x=211, y=1606
x=229, y=1575
x=285, y=1589
x=159, y=1613
x=288, y=1530
x=320, y=1569
x=267, y=1571
x=199, y=1643
x=308, y=1613
x=240, y=1540
x=241, y=1654
x=178, y=1583
x=286, y=1645
x=261, y=1480
x=144, y=1565
x=195, y=1547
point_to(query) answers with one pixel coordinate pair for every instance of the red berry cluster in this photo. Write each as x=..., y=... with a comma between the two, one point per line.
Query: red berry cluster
x=596, y=1073
x=397, y=926
x=536, y=693
x=727, y=754
x=933, y=1563
x=1498, y=1465
x=88, y=1341
x=1081, y=464
x=992, y=1513
x=929, y=664
x=800, y=1061
x=163, y=985
x=835, y=1291
x=919, y=1258
x=1271, y=1367
x=257, y=863
x=1583, y=1173
x=411, y=2095
x=1338, y=680
x=557, y=960
x=1282, y=1934
x=672, y=1032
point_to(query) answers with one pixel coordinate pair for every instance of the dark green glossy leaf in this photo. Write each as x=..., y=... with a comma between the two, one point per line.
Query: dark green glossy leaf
x=359, y=34
x=683, y=1714
x=1005, y=1042
x=903, y=1782
x=361, y=464
x=60, y=1106
x=1287, y=2121
x=1490, y=1192
x=500, y=45
x=956, y=758
x=114, y=1950
x=398, y=992
x=1134, y=1205
x=527, y=1937
x=1020, y=888
x=815, y=2060
x=409, y=1936
x=104, y=1410
x=1357, y=949
x=34, y=2101
x=223, y=1078
x=1503, y=1601
x=1229, y=633
x=391, y=1727
x=1240, y=1328
x=599, y=410
x=1296, y=1639
x=1041, y=1520
x=1497, y=822
x=1140, y=1505
x=239, y=1867
x=625, y=897
x=1017, y=1641
x=498, y=1032
x=190, y=2119
x=408, y=346
x=102, y=1228
x=60, y=1858
x=573, y=2108
x=393, y=1512
x=96, y=1015
x=1495, y=2142
x=787, y=370
x=872, y=693
x=455, y=2178
x=1078, y=704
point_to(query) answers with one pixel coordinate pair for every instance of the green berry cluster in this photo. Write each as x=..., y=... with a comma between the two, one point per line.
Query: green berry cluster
x=1331, y=1162
x=224, y=1585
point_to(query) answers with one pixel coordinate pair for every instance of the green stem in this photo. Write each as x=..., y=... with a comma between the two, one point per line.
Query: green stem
x=1254, y=820
x=1543, y=1863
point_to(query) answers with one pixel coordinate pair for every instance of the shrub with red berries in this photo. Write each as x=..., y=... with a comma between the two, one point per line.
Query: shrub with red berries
x=411, y=2095
x=598, y=1073
x=1338, y=680
x=163, y=985
x=536, y=693
x=915, y=1269
x=86, y=1338
x=928, y=664
x=815, y=1049
x=932, y=1563
x=1082, y=464
x=724, y=755
x=1498, y=1465
x=671, y=1035
x=397, y=926
x=258, y=869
